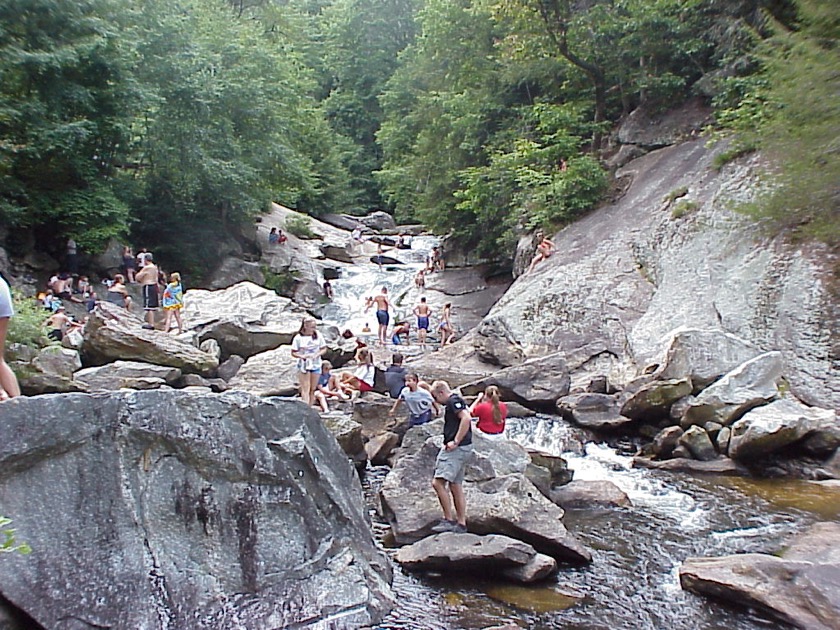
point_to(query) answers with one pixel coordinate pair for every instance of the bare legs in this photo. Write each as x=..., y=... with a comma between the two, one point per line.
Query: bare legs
x=457, y=490
x=308, y=382
x=9, y=387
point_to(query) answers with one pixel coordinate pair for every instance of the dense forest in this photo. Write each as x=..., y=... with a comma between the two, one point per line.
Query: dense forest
x=170, y=122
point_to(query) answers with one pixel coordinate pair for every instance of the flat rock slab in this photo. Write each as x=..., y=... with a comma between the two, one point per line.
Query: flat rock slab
x=469, y=553
x=801, y=588
x=719, y=466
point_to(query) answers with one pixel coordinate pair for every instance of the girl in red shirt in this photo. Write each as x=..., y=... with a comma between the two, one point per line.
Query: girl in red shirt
x=490, y=411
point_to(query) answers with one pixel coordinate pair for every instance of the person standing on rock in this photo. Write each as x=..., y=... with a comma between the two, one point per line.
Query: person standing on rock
x=173, y=302
x=382, y=315
x=308, y=347
x=423, y=312
x=9, y=387
x=452, y=459
x=148, y=279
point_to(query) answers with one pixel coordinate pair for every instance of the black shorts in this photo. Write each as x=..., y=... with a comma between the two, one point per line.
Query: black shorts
x=151, y=299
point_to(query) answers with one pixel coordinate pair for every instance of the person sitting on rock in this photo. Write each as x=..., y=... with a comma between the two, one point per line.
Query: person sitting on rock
x=273, y=236
x=395, y=375
x=544, y=250
x=490, y=411
x=329, y=385
x=362, y=379
x=58, y=323
x=118, y=294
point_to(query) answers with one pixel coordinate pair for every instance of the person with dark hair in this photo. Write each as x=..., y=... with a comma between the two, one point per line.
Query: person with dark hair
x=148, y=279
x=129, y=263
x=9, y=387
x=423, y=312
x=395, y=375
x=118, y=294
x=447, y=332
x=382, y=315
x=419, y=401
x=308, y=347
x=400, y=329
x=490, y=411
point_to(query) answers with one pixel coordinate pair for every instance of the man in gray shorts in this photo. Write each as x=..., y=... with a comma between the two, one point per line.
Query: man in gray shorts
x=453, y=458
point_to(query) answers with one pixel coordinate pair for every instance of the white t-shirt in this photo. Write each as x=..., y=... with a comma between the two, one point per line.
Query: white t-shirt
x=308, y=351
x=366, y=373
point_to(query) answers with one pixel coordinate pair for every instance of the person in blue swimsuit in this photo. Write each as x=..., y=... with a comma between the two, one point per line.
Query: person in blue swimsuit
x=382, y=315
x=423, y=311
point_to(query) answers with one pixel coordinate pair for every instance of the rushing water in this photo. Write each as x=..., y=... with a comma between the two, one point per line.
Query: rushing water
x=633, y=580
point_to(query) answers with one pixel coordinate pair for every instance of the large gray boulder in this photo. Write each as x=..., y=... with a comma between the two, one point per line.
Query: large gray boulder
x=483, y=555
x=234, y=270
x=536, y=383
x=496, y=503
x=112, y=333
x=703, y=355
x=629, y=274
x=378, y=221
x=113, y=375
x=165, y=509
x=802, y=587
x=654, y=400
x=245, y=319
x=599, y=412
x=749, y=385
x=770, y=428
x=270, y=373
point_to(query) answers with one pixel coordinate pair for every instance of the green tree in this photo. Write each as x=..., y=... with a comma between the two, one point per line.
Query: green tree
x=65, y=111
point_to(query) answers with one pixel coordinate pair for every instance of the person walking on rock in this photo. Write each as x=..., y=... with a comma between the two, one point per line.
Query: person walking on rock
x=148, y=279
x=308, y=347
x=382, y=315
x=423, y=312
x=9, y=387
x=452, y=459
x=419, y=401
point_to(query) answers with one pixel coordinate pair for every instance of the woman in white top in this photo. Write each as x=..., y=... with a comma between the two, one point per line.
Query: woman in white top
x=308, y=347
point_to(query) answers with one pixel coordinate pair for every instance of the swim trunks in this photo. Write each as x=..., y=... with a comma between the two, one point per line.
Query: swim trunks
x=382, y=317
x=151, y=300
x=423, y=322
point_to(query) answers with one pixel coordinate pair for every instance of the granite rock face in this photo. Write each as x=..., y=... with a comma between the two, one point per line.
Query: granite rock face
x=166, y=509
x=624, y=278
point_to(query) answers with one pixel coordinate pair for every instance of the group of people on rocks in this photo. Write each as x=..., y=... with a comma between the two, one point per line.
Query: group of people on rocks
x=422, y=313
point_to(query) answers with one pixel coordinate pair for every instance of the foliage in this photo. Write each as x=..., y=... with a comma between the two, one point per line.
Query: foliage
x=8, y=544
x=299, y=226
x=283, y=283
x=682, y=208
x=791, y=112
x=27, y=325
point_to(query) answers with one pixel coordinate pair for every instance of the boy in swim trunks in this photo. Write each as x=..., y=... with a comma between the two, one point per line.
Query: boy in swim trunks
x=422, y=311
x=382, y=315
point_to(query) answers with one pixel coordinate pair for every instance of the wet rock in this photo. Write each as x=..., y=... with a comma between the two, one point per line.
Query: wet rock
x=515, y=410
x=750, y=385
x=484, y=555
x=271, y=373
x=212, y=347
x=654, y=400
x=238, y=505
x=722, y=440
x=593, y=411
x=583, y=494
x=703, y=356
x=800, y=588
x=666, y=441
x=681, y=452
x=112, y=376
x=770, y=428
x=245, y=319
x=371, y=411
x=556, y=467
x=113, y=334
x=498, y=504
x=228, y=369
x=684, y=463
x=699, y=444
x=536, y=383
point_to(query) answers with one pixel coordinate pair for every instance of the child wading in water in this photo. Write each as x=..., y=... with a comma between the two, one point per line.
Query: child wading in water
x=173, y=302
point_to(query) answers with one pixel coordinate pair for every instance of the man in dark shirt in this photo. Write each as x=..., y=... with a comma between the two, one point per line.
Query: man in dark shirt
x=395, y=376
x=452, y=459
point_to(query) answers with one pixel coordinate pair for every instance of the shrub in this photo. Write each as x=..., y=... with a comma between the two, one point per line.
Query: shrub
x=299, y=226
x=281, y=283
x=8, y=544
x=27, y=326
x=682, y=191
x=683, y=208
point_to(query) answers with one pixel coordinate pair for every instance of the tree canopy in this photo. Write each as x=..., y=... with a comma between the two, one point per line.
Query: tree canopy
x=171, y=123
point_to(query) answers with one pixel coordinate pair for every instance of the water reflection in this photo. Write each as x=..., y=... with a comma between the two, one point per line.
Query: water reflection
x=632, y=582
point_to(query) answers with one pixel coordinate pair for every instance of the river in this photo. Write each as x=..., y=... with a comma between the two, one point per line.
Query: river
x=633, y=581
